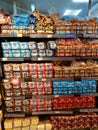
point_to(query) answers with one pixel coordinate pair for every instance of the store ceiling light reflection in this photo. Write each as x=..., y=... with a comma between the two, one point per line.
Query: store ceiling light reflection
x=80, y=0
x=72, y=12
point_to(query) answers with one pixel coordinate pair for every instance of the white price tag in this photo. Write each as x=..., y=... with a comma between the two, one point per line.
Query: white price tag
x=40, y=58
x=4, y=59
x=43, y=79
x=49, y=36
x=57, y=112
x=19, y=35
x=57, y=95
x=5, y=80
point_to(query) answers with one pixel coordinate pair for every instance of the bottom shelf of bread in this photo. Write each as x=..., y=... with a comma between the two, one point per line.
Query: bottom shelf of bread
x=56, y=122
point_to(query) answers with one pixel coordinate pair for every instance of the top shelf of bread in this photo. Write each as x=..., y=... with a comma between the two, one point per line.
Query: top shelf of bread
x=37, y=25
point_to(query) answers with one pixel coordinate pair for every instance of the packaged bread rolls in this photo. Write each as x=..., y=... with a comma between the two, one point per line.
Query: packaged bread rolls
x=33, y=127
x=17, y=122
x=9, y=109
x=9, y=103
x=26, y=128
x=24, y=67
x=26, y=122
x=7, y=86
x=18, y=128
x=16, y=67
x=32, y=45
x=41, y=126
x=8, y=75
x=33, y=67
x=48, y=125
x=7, y=67
x=34, y=120
x=8, y=123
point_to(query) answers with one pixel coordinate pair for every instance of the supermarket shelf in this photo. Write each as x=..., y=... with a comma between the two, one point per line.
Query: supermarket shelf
x=49, y=58
x=49, y=35
x=41, y=35
x=49, y=96
x=14, y=115
x=12, y=59
x=12, y=35
x=19, y=114
x=37, y=113
x=51, y=79
x=7, y=35
x=17, y=98
x=89, y=110
x=52, y=112
x=90, y=36
x=54, y=35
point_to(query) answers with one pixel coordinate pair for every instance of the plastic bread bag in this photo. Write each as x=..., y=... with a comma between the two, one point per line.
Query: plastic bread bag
x=32, y=45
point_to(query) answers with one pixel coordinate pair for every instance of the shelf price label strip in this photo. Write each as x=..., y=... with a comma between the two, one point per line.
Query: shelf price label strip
x=14, y=115
x=89, y=110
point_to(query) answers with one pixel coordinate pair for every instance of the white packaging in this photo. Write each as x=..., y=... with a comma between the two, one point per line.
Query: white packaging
x=6, y=45
x=15, y=45
x=24, y=45
x=32, y=45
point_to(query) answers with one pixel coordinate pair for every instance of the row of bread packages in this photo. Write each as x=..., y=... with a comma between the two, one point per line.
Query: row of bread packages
x=76, y=42
x=27, y=53
x=28, y=109
x=28, y=67
x=84, y=83
x=76, y=47
x=76, y=68
x=28, y=123
x=76, y=99
x=74, y=122
x=74, y=26
x=31, y=92
x=74, y=87
x=45, y=24
x=32, y=74
x=28, y=105
x=66, y=51
x=28, y=45
x=27, y=85
x=75, y=90
x=73, y=102
x=28, y=102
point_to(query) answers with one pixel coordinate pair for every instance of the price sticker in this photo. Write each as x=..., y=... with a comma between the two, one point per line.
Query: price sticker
x=19, y=35
x=40, y=58
x=4, y=59
x=49, y=36
x=57, y=112
x=57, y=95
x=43, y=79
x=7, y=98
x=5, y=80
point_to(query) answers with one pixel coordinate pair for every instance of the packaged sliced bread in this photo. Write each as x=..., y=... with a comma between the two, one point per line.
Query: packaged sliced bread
x=26, y=122
x=17, y=122
x=26, y=128
x=8, y=123
x=48, y=125
x=33, y=127
x=34, y=120
x=41, y=126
